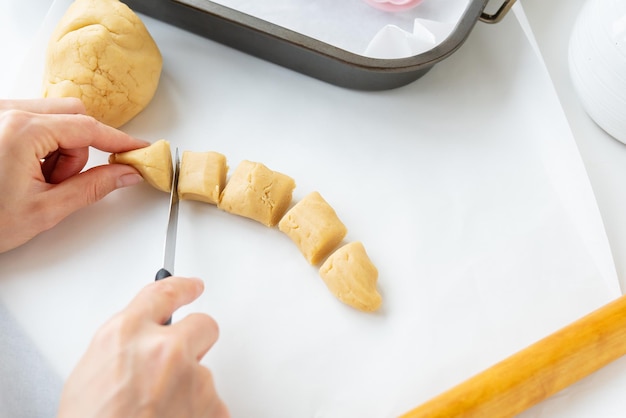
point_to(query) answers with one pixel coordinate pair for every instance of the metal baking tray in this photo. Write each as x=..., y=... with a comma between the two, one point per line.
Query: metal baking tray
x=305, y=54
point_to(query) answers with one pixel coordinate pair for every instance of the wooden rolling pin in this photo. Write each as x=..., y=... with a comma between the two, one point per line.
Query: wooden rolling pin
x=538, y=371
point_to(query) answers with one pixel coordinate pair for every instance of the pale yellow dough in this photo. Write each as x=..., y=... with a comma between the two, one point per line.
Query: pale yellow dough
x=258, y=193
x=102, y=53
x=202, y=176
x=313, y=225
x=351, y=276
x=153, y=162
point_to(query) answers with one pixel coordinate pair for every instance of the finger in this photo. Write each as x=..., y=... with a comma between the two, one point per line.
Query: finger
x=69, y=105
x=158, y=300
x=53, y=203
x=213, y=405
x=219, y=409
x=77, y=131
x=63, y=164
x=200, y=330
x=84, y=189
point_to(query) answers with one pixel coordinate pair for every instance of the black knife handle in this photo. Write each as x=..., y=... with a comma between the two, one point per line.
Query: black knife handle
x=162, y=274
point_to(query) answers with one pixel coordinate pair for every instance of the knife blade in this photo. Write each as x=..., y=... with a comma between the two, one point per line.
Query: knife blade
x=169, y=250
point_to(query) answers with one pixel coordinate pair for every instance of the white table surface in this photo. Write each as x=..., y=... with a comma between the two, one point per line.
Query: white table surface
x=604, y=157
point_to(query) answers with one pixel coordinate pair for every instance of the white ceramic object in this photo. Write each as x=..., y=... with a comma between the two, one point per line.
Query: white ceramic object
x=597, y=61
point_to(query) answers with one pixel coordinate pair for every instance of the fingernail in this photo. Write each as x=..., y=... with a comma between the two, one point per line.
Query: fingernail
x=129, y=180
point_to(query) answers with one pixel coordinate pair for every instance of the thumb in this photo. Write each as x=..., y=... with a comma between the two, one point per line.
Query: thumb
x=91, y=186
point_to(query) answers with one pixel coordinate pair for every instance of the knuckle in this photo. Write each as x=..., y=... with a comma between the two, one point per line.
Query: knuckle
x=12, y=120
x=159, y=298
x=170, y=357
x=207, y=324
x=167, y=290
x=115, y=332
x=75, y=105
x=89, y=121
x=86, y=124
x=96, y=190
x=173, y=350
x=12, y=114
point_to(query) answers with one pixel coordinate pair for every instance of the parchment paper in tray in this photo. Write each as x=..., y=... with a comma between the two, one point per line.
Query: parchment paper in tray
x=357, y=27
x=465, y=187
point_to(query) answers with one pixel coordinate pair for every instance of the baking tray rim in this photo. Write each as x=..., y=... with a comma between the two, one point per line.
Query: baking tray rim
x=317, y=58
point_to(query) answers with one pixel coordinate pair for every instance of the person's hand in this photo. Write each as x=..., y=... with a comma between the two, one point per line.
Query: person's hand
x=44, y=146
x=136, y=367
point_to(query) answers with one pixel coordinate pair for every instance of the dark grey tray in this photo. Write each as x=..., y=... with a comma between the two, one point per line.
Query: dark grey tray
x=305, y=54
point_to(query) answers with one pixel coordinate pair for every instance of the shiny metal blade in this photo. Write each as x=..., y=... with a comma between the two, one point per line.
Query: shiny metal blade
x=169, y=253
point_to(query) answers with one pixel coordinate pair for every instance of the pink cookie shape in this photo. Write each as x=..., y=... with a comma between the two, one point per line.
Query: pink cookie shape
x=393, y=5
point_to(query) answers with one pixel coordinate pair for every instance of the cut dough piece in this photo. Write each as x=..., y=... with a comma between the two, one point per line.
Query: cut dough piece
x=314, y=226
x=258, y=193
x=154, y=163
x=202, y=176
x=351, y=277
x=102, y=53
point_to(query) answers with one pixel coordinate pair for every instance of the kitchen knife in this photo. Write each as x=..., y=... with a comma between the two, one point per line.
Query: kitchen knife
x=169, y=251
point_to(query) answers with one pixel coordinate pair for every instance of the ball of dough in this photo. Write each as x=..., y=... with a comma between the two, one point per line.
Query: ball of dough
x=102, y=53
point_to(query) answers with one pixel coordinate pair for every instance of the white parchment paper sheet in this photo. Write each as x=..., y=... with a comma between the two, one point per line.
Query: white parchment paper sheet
x=353, y=24
x=465, y=187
